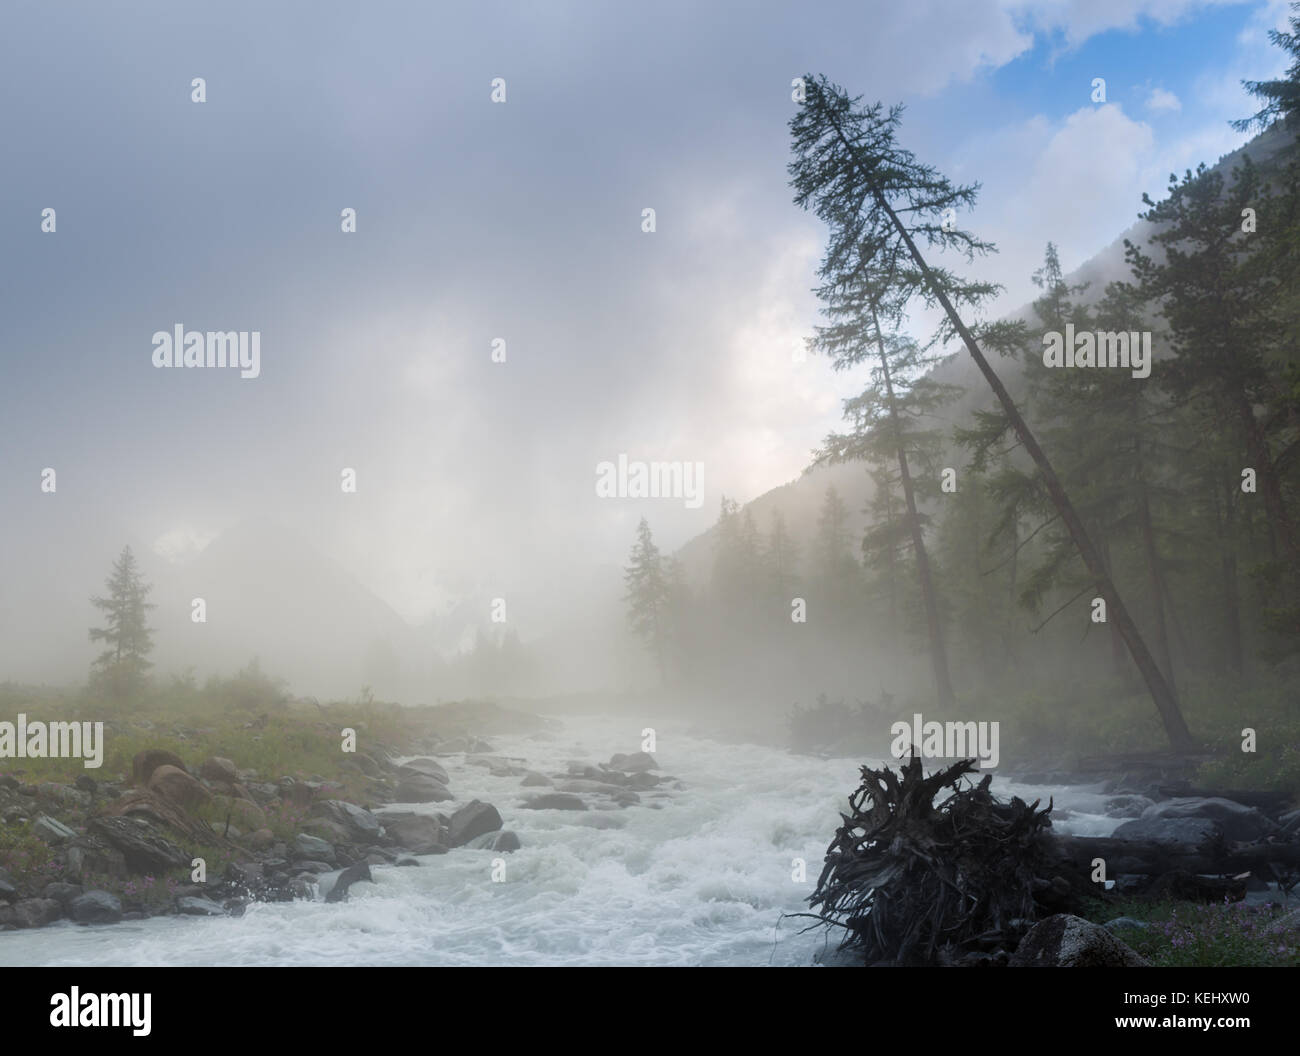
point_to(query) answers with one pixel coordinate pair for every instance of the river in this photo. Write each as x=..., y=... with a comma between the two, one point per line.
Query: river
x=703, y=880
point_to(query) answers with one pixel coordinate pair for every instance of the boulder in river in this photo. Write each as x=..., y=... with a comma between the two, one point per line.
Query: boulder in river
x=505, y=840
x=472, y=820
x=335, y=886
x=197, y=906
x=428, y=767
x=634, y=763
x=1181, y=835
x=1238, y=821
x=32, y=913
x=418, y=833
x=414, y=787
x=555, y=801
x=96, y=907
x=1065, y=941
x=532, y=779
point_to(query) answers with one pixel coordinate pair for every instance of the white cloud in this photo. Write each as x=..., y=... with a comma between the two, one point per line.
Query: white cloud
x=1161, y=101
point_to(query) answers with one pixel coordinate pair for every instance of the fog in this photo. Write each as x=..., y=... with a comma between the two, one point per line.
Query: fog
x=474, y=479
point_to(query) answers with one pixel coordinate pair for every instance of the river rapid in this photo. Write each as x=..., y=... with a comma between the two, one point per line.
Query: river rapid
x=703, y=876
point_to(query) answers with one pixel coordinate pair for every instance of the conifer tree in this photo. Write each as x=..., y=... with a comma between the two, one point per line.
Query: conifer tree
x=879, y=202
x=649, y=596
x=124, y=664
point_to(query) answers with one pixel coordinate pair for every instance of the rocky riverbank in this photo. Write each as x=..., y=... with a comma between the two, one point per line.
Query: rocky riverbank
x=183, y=834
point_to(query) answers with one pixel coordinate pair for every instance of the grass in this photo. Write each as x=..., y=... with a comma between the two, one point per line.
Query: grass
x=248, y=720
x=1227, y=934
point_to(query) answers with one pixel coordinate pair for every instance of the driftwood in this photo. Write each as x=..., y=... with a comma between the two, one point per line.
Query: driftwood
x=912, y=881
x=1207, y=873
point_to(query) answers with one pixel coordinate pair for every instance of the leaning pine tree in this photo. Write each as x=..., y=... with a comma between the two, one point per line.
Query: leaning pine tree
x=878, y=201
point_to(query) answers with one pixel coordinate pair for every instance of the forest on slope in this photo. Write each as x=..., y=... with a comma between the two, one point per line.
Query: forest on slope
x=969, y=595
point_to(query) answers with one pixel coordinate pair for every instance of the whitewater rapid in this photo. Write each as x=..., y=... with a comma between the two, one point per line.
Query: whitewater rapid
x=703, y=880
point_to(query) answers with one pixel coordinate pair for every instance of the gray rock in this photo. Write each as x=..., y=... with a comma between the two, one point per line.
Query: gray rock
x=1238, y=821
x=583, y=785
x=335, y=886
x=406, y=860
x=428, y=767
x=61, y=893
x=35, y=912
x=532, y=779
x=1065, y=941
x=360, y=824
x=218, y=768
x=634, y=763
x=62, y=795
x=144, y=847
x=315, y=868
x=421, y=788
x=418, y=833
x=197, y=906
x=555, y=801
x=314, y=848
x=89, y=854
x=504, y=841
x=1184, y=835
x=472, y=820
x=51, y=830
x=1129, y=806
x=96, y=907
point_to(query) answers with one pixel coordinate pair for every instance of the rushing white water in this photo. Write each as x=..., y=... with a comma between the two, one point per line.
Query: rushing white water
x=703, y=880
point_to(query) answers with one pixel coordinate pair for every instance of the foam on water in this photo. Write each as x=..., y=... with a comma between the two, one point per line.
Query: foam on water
x=702, y=880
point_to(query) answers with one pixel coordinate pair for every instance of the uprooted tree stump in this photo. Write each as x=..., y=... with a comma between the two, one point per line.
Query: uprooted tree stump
x=912, y=881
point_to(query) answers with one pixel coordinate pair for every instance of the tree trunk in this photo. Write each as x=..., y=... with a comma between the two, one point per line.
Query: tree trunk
x=1225, y=525
x=938, y=652
x=1153, y=566
x=1269, y=485
x=1162, y=695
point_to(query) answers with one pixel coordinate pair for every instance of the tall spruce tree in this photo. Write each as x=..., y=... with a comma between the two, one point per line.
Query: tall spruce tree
x=650, y=597
x=1281, y=97
x=1219, y=293
x=123, y=665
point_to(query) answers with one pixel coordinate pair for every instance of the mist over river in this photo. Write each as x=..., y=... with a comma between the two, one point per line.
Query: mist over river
x=702, y=880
